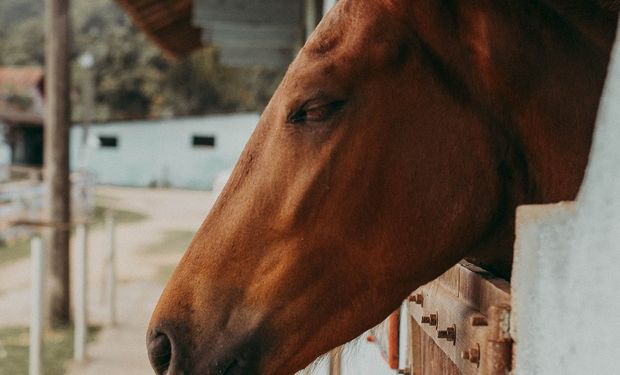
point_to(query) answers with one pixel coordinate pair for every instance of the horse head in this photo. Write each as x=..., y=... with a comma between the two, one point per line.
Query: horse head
x=391, y=149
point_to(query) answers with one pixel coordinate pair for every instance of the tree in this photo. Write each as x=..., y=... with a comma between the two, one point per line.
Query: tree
x=132, y=78
x=23, y=44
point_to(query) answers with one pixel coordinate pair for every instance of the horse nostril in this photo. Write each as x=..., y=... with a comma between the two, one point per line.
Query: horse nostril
x=160, y=353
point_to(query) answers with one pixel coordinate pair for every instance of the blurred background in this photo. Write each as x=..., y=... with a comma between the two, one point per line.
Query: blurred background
x=120, y=123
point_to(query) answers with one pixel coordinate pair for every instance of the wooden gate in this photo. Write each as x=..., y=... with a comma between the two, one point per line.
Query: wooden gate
x=460, y=324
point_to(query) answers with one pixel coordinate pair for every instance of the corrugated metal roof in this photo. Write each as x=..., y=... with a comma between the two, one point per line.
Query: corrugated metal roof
x=275, y=12
x=240, y=28
x=252, y=32
x=167, y=22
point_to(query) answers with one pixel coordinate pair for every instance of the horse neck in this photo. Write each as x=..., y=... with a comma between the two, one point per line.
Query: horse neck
x=534, y=71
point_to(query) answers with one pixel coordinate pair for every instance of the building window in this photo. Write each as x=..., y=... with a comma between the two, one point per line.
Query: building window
x=108, y=141
x=201, y=141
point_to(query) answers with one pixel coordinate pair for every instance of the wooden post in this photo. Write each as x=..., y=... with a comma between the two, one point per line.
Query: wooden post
x=393, y=340
x=81, y=322
x=499, y=343
x=109, y=223
x=56, y=152
x=36, y=309
x=335, y=361
x=415, y=347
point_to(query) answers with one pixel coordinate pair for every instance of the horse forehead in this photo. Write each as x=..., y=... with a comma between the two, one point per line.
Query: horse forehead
x=361, y=32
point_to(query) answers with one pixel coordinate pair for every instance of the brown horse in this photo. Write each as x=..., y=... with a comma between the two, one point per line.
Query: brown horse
x=401, y=140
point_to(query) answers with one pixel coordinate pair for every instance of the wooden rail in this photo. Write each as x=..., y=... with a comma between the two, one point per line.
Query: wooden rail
x=21, y=203
x=459, y=324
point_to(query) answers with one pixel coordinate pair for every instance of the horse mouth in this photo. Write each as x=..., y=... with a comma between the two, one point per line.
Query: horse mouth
x=236, y=367
x=231, y=367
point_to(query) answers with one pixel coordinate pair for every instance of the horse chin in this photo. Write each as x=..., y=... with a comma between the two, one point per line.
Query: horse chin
x=285, y=366
x=251, y=362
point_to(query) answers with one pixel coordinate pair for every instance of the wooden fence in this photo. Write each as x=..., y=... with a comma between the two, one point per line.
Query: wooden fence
x=22, y=193
x=460, y=324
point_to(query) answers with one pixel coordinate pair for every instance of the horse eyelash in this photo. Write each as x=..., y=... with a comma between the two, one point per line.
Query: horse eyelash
x=300, y=116
x=297, y=116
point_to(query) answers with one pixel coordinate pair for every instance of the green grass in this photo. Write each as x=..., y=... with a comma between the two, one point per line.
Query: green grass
x=10, y=252
x=173, y=241
x=121, y=216
x=58, y=350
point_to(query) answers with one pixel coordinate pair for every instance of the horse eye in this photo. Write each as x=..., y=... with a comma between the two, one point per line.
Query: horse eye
x=297, y=117
x=315, y=113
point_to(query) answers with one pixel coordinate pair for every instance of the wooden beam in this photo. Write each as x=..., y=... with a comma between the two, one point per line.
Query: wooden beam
x=463, y=315
x=56, y=157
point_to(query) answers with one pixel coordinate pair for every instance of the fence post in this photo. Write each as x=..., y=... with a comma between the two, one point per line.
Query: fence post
x=335, y=361
x=36, y=309
x=110, y=229
x=81, y=323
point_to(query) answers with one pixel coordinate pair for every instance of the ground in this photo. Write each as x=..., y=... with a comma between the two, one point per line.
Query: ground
x=148, y=250
x=154, y=229
x=149, y=243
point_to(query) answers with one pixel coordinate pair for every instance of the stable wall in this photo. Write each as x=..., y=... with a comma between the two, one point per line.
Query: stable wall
x=160, y=153
x=566, y=277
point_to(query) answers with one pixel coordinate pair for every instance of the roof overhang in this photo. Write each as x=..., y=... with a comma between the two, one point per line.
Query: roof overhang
x=168, y=23
x=13, y=118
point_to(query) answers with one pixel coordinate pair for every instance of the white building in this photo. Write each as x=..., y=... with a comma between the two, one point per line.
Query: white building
x=181, y=153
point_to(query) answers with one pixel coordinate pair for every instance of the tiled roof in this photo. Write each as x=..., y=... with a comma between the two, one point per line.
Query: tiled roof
x=20, y=79
x=13, y=118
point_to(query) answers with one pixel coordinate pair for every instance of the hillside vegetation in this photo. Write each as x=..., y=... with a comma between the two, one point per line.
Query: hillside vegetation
x=132, y=78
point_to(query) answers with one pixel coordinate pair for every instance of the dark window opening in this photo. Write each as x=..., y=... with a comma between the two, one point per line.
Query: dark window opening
x=203, y=141
x=108, y=142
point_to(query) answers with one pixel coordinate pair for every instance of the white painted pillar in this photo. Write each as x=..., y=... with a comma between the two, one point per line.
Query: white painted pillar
x=566, y=299
x=335, y=361
x=37, y=306
x=111, y=297
x=80, y=315
x=327, y=5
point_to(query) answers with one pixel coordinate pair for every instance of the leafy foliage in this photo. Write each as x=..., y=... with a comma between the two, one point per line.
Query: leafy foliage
x=132, y=78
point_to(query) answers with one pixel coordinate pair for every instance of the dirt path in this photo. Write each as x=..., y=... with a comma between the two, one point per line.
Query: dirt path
x=119, y=350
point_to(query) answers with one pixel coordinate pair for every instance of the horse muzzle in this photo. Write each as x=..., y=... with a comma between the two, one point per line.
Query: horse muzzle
x=170, y=355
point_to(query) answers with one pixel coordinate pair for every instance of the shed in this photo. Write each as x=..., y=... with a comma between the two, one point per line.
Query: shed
x=21, y=113
x=179, y=153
